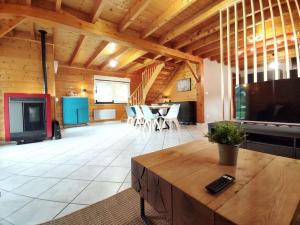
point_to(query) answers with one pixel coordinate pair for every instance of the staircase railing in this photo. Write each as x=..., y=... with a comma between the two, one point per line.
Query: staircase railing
x=149, y=75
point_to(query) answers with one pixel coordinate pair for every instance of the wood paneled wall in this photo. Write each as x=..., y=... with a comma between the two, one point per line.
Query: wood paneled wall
x=21, y=70
x=176, y=96
x=74, y=80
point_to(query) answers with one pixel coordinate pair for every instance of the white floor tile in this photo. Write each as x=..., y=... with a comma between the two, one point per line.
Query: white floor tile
x=124, y=186
x=87, y=172
x=13, y=182
x=101, y=160
x=36, y=186
x=97, y=191
x=36, y=212
x=70, y=209
x=64, y=191
x=113, y=174
x=5, y=222
x=37, y=170
x=10, y=203
x=61, y=171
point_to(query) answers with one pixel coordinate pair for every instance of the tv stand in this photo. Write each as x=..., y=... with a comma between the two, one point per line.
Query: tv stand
x=273, y=138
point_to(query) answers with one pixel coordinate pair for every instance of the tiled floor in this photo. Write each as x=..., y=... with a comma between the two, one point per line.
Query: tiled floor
x=46, y=180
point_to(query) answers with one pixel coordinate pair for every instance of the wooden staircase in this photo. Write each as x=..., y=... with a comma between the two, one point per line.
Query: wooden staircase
x=160, y=84
x=149, y=76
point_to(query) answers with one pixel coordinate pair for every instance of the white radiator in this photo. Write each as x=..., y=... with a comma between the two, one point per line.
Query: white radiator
x=104, y=114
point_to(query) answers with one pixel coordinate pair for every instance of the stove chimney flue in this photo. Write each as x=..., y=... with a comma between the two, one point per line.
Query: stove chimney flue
x=44, y=66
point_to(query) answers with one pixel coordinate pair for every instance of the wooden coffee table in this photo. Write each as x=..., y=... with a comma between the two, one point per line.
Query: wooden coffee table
x=172, y=181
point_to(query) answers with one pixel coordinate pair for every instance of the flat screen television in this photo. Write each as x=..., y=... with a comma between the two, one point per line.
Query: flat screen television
x=271, y=101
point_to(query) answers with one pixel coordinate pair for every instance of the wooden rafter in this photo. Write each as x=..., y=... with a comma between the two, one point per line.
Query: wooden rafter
x=215, y=27
x=77, y=49
x=195, y=20
x=193, y=71
x=10, y=25
x=138, y=7
x=129, y=57
x=103, y=72
x=105, y=30
x=113, y=56
x=58, y=5
x=96, y=53
x=32, y=30
x=176, y=8
x=97, y=10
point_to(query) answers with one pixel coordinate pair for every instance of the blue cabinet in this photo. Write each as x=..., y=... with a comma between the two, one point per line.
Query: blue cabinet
x=75, y=110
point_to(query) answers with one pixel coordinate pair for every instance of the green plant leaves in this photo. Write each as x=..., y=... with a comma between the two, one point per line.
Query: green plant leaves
x=227, y=133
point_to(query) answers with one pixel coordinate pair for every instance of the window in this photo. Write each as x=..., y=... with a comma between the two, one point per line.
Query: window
x=111, y=89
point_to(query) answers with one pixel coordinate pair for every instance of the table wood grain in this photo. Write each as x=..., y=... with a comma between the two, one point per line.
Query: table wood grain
x=266, y=190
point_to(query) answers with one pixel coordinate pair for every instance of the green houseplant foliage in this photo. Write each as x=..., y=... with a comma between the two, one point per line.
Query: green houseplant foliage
x=229, y=136
x=227, y=133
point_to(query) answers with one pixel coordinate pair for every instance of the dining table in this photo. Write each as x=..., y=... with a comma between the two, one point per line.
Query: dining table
x=156, y=109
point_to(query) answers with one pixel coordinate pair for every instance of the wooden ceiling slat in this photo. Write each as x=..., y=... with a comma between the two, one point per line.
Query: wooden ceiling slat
x=96, y=53
x=138, y=7
x=10, y=25
x=97, y=10
x=176, y=8
x=58, y=5
x=195, y=20
x=77, y=49
x=105, y=30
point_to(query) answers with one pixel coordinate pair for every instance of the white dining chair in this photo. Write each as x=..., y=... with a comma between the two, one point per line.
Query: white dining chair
x=172, y=116
x=150, y=119
x=140, y=119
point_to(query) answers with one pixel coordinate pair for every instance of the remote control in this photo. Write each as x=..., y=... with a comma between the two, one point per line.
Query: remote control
x=219, y=184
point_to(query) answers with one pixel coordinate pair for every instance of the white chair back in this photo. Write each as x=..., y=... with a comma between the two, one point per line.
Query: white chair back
x=138, y=111
x=173, y=112
x=148, y=115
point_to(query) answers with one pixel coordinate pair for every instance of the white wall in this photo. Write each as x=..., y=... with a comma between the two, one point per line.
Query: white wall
x=212, y=91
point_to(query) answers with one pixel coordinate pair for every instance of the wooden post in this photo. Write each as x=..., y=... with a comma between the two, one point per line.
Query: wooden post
x=200, y=93
x=222, y=65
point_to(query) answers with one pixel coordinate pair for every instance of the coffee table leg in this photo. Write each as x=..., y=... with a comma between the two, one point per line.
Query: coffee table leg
x=143, y=215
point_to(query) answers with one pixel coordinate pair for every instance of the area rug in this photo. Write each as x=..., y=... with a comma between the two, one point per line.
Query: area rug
x=120, y=209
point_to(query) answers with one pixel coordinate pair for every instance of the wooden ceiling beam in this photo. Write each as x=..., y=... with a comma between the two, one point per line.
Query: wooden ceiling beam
x=97, y=10
x=129, y=57
x=58, y=5
x=176, y=8
x=97, y=71
x=196, y=20
x=11, y=25
x=105, y=30
x=96, y=53
x=138, y=7
x=77, y=49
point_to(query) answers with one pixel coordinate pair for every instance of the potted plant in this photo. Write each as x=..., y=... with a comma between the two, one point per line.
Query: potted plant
x=229, y=136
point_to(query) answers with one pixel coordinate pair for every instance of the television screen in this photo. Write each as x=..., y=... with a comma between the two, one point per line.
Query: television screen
x=184, y=85
x=271, y=101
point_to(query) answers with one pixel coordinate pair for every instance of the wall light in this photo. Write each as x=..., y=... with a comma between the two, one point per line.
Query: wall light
x=113, y=63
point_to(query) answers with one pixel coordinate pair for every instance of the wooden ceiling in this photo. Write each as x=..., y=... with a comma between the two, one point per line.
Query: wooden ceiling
x=89, y=33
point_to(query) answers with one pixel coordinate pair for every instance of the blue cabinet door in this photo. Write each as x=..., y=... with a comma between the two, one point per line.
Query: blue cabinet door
x=75, y=110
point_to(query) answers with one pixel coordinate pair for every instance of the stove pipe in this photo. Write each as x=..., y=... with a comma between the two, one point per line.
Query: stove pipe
x=43, y=44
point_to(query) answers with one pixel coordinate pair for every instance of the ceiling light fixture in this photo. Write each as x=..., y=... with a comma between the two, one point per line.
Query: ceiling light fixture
x=111, y=47
x=113, y=63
